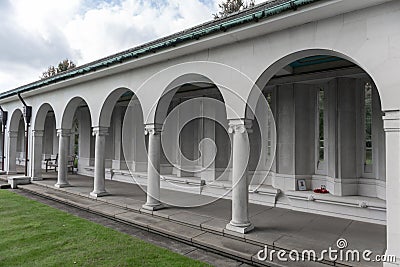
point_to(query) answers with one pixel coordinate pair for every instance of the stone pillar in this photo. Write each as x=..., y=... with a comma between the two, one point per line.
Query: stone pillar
x=37, y=146
x=117, y=124
x=12, y=152
x=392, y=133
x=153, y=167
x=240, y=192
x=99, y=162
x=62, y=180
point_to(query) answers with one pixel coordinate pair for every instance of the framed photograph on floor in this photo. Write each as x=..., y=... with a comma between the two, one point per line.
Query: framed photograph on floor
x=302, y=185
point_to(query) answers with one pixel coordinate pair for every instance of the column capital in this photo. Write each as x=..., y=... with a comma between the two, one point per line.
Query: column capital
x=391, y=121
x=13, y=134
x=240, y=126
x=99, y=130
x=38, y=133
x=63, y=132
x=152, y=128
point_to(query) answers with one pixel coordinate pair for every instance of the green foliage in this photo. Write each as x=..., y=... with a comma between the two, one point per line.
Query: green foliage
x=232, y=6
x=33, y=234
x=63, y=65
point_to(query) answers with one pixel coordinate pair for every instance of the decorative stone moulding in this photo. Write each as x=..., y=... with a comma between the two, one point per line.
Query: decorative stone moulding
x=151, y=129
x=240, y=126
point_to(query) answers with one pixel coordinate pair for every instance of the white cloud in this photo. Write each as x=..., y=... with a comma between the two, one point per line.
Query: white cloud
x=38, y=33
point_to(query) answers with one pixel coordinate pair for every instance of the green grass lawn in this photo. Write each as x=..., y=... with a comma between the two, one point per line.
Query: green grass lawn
x=33, y=234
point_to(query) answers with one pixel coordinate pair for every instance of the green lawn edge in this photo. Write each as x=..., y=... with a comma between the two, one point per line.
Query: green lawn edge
x=34, y=234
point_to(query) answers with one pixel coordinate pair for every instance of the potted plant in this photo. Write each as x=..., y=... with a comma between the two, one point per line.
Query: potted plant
x=76, y=164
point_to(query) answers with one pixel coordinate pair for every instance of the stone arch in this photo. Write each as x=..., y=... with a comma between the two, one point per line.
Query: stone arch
x=341, y=135
x=69, y=112
x=83, y=118
x=283, y=60
x=108, y=105
x=165, y=81
x=12, y=142
x=45, y=141
x=40, y=117
x=14, y=120
x=123, y=121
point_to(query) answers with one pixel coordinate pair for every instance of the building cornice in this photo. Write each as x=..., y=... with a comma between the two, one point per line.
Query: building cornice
x=261, y=20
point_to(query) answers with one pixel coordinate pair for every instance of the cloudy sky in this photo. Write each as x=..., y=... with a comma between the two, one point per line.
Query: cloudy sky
x=37, y=33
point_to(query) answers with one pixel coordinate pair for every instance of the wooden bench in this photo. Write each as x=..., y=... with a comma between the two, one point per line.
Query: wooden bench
x=71, y=163
x=51, y=164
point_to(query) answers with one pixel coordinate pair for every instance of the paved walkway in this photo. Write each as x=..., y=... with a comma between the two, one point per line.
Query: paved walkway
x=204, y=226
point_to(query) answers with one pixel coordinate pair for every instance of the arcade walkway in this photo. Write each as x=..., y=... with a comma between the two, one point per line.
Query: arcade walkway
x=204, y=226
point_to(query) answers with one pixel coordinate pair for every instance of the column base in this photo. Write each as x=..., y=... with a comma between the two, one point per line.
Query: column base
x=99, y=194
x=153, y=207
x=57, y=185
x=240, y=228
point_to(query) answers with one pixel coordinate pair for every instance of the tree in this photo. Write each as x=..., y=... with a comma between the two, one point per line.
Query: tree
x=63, y=65
x=232, y=6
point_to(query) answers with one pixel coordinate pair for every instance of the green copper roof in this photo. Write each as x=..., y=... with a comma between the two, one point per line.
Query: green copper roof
x=254, y=14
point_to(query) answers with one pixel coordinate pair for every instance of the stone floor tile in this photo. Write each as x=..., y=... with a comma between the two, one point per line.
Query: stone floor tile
x=137, y=218
x=190, y=218
x=215, y=225
x=227, y=245
x=176, y=230
x=167, y=212
x=109, y=210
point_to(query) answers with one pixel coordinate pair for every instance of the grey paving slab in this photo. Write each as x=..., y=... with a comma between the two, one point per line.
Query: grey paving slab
x=167, y=212
x=190, y=218
x=125, y=202
x=215, y=225
x=329, y=226
x=33, y=187
x=58, y=195
x=318, y=243
x=109, y=210
x=262, y=236
x=361, y=235
x=227, y=245
x=134, y=205
x=365, y=236
x=176, y=230
x=138, y=219
x=81, y=202
x=282, y=221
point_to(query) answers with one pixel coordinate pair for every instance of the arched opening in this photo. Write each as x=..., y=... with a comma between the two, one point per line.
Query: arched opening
x=77, y=123
x=16, y=143
x=45, y=143
x=196, y=146
x=125, y=155
x=329, y=134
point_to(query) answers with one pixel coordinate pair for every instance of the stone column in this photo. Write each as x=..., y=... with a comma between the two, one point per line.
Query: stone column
x=392, y=133
x=117, y=124
x=99, y=162
x=153, y=167
x=63, y=143
x=12, y=152
x=37, y=146
x=240, y=193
